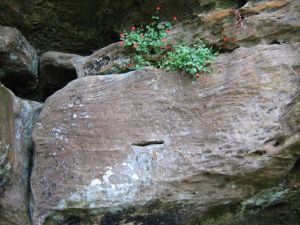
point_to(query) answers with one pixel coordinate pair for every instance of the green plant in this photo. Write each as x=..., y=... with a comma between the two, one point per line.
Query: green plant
x=190, y=59
x=153, y=46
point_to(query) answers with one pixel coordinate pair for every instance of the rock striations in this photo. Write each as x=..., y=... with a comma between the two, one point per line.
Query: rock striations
x=150, y=147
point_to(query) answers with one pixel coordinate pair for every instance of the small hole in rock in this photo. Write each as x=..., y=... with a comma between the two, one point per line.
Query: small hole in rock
x=258, y=153
x=146, y=143
x=276, y=143
x=275, y=42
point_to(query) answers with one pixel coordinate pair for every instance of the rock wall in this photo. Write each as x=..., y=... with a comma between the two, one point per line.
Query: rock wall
x=166, y=140
x=149, y=147
x=16, y=122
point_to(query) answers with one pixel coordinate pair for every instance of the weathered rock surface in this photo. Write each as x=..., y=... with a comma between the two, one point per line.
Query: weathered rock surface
x=16, y=122
x=112, y=59
x=18, y=61
x=264, y=22
x=151, y=147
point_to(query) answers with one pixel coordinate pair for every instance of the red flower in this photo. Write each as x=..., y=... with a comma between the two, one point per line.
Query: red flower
x=130, y=65
x=164, y=40
x=197, y=75
x=133, y=28
x=134, y=45
x=225, y=39
x=168, y=46
x=168, y=31
x=121, y=43
x=158, y=8
x=122, y=35
x=142, y=36
x=174, y=18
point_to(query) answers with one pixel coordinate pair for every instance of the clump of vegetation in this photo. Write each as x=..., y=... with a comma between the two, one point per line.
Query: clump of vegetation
x=153, y=46
x=190, y=59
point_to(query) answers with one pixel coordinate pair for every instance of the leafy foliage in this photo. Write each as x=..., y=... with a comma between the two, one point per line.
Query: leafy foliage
x=191, y=59
x=153, y=46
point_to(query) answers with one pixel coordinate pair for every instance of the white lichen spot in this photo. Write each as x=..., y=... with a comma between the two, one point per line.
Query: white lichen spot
x=135, y=177
x=120, y=182
x=96, y=182
x=62, y=204
x=107, y=175
x=75, y=197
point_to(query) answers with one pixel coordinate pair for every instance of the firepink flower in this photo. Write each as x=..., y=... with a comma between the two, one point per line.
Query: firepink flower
x=134, y=45
x=174, y=18
x=121, y=43
x=168, y=31
x=133, y=28
x=164, y=40
x=142, y=36
x=197, y=75
x=158, y=8
x=122, y=35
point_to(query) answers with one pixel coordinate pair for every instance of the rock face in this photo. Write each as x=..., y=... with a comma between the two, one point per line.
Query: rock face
x=18, y=61
x=151, y=147
x=264, y=22
x=16, y=121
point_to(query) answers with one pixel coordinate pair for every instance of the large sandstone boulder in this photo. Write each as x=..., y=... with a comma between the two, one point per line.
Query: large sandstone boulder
x=16, y=121
x=18, y=61
x=153, y=147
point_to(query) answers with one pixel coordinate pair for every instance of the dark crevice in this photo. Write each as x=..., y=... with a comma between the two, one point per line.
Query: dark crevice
x=147, y=143
x=241, y=3
x=59, y=78
x=275, y=42
x=296, y=167
x=258, y=153
x=275, y=142
x=30, y=199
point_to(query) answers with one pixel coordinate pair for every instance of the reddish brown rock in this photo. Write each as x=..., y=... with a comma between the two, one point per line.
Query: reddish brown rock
x=16, y=121
x=263, y=22
x=154, y=147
